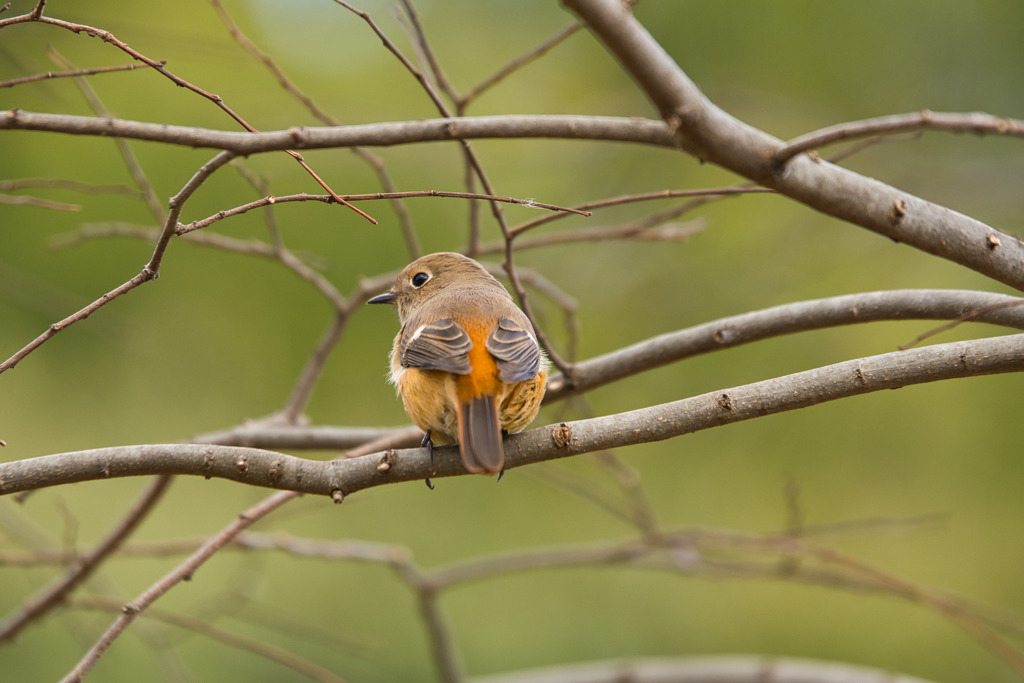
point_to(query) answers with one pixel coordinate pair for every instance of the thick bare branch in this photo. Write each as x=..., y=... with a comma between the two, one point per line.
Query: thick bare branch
x=339, y=478
x=711, y=134
x=910, y=304
x=385, y=134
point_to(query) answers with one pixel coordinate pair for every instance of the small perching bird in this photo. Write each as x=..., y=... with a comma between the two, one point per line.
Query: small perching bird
x=466, y=361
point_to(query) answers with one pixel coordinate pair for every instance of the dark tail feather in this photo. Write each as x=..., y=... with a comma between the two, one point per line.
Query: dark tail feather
x=480, y=435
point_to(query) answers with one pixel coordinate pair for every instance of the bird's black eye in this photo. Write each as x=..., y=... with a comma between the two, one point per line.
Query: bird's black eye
x=420, y=279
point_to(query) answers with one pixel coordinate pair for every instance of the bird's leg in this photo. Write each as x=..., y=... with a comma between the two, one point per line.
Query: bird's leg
x=429, y=445
x=501, y=474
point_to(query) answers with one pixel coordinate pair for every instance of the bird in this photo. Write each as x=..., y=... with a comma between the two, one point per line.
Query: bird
x=466, y=361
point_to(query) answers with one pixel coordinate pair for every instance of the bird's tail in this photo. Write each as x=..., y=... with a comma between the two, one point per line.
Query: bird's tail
x=480, y=435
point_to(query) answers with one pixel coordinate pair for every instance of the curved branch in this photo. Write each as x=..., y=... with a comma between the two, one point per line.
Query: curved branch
x=385, y=134
x=974, y=122
x=802, y=316
x=719, y=669
x=339, y=478
x=711, y=134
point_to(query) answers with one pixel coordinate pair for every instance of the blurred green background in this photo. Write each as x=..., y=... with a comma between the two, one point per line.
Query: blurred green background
x=220, y=338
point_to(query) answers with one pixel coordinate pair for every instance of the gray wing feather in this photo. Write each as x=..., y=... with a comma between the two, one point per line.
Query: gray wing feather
x=516, y=350
x=440, y=345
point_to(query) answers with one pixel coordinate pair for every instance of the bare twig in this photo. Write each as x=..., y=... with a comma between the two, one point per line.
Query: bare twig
x=975, y=122
x=185, y=570
x=273, y=200
x=66, y=184
x=421, y=42
x=266, y=650
x=130, y=160
x=130, y=611
x=50, y=596
x=37, y=201
x=969, y=316
x=711, y=192
x=975, y=626
x=145, y=276
x=149, y=272
x=108, y=37
x=70, y=74
x=480, y=174
x=517, y=64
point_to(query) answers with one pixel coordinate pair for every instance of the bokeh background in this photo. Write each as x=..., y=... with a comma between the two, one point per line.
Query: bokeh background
x=220, y=338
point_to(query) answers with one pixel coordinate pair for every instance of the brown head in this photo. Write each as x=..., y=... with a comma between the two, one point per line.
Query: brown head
x=426, y=277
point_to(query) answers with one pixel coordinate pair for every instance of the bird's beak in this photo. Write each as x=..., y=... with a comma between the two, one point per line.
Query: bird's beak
x=385, y=298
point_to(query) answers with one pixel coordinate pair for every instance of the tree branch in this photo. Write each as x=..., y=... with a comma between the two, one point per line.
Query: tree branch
x=718, y=669
x=385, y=134
x=711, y=134
x=975, y=122
x=339, y=478
x=802, y=316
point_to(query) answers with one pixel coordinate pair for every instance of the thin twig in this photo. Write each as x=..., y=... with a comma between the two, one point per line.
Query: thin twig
x=71, y=74
x=130, y=160
x=372, y=196
x=969, y=316
x=145, y=276
x=975, y=122
x=52, y=595
x=23, y=200
x=519, y=63
x=149, y=272
x=274, y=653
x=180, y=573
x=159, y=66
x=710, y=192
x=420, y=40
x=66, y=184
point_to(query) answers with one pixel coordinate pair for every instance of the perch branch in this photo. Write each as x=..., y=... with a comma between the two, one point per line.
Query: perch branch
x=340, y=478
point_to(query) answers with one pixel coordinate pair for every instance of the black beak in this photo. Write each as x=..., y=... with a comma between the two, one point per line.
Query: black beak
x=385, y=298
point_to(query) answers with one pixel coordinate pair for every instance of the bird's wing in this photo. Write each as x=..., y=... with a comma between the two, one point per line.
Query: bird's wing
x=516, y=350
x=439, y=345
